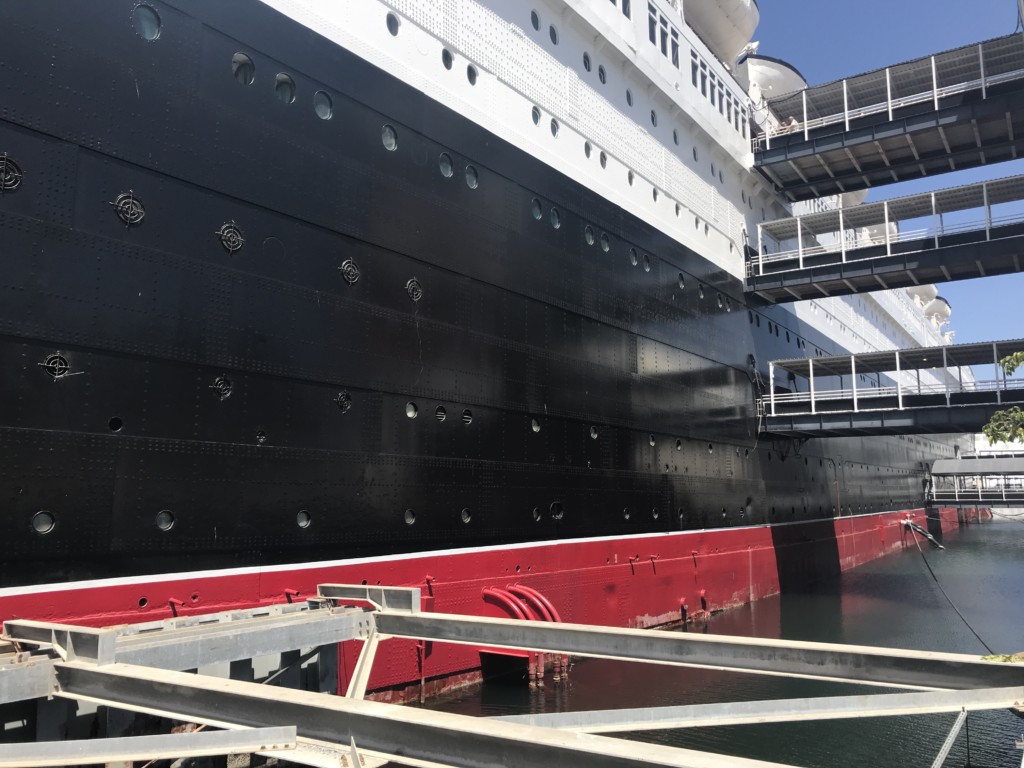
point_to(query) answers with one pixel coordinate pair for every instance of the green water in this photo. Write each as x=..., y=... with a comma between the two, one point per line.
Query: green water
x=890, y=602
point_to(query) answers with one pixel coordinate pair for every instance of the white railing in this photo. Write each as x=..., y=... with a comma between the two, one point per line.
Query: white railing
x=889, y=105
x=868, y=398
x=846, y=248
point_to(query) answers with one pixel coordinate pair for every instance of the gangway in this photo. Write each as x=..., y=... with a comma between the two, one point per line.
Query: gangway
x=978, y=481
x=953, y=110
x=959, y=233
x=894, y=401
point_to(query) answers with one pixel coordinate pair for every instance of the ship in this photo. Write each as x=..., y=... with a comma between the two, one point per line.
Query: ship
x=445, y=294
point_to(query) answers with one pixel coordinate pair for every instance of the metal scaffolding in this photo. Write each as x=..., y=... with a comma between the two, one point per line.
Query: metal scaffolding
x=974, y=481
x=138, y=668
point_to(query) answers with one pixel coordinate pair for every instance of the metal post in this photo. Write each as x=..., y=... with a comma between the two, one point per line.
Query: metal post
x=945, y=375
x=899, y=385
x=988, y=211
x=800, y=242
x=842, y=236
x=935, y=222
x=960, y=376
x=935, y=85
x=810, y=378
x=771, y=385
x=995, y=362
x=806, y=131
x=888, y=237
x=888, y=91
x=760, y=249
x=853, y=378
x=981, y=65
x=846, y=106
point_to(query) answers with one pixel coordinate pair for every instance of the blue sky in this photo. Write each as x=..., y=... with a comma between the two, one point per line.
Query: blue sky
x=827, y=40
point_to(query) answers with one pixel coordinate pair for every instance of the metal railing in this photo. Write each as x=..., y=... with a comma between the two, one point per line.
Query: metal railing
x=846, y=247
x=874, y=398
x=832, y=102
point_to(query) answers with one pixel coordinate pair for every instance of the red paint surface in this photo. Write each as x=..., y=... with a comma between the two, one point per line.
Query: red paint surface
x=627, y=582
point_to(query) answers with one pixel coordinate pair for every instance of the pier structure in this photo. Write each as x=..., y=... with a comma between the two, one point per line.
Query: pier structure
x=160, y=673
x=959, y=233
x=971, y=482
x=881, y=393
x=945, y=112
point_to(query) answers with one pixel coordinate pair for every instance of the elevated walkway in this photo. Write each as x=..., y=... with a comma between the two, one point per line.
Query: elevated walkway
x=957, y=109
x=978, y=481
x=894, y=401
x=959, y=233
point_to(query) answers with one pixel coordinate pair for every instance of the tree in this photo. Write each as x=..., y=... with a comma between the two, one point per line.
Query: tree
x=1007, y=426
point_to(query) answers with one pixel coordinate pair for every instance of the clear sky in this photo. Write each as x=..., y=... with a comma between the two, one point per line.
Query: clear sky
x=827, y=40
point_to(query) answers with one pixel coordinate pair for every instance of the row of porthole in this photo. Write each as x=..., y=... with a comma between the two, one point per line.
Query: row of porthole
x=394, y=24
x=440, y=413
x=445, y=163
x=773, y=329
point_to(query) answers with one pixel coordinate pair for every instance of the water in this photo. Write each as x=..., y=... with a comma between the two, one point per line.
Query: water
x=889, y=602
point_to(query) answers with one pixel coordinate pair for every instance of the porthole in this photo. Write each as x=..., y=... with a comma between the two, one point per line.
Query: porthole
x=553, y=34
x=630, y=177
x=633, y=260
x=535, y=425
x=116, y=424
x=472, y=178
x=654, y=118
x=679, y=445
x=707, y=229
x=593, y=433
x=303, y=519
x=712, y=170
x=392, y=22
x=586, y=61
x=445, y=165
x=323, y=105
x=536, y=514
x=675, y=137
x=165, y=520
x=743, y=196
x=588, y=234
x=284, y=88
x=554, y=128
x=471, y=74
x=43, y=522
x=682, y=282
x=695, y=154
x=696, y=223
x=651, y=441
x=711, y=448
x=410, y=517
x=720, y=302
x=242, y=68
x=440, y=413
x=411, y=410
x=556, y=218
x=603, y=159
x=389, y=137
x=465, y=515
x=654, y=194
x=700, y=291
x=655, y=514
x=647, y=263
x=626, y=514
x=535, y=114
x=535, y=21
x=721, y=176
x=536, y=209
x=557, y=512
x=606, y=243
x=629, y=97
x=679, y=210
x=146, y=21
x=601, y=74
x=467, y=417
x=587, y=149
x=447, y=59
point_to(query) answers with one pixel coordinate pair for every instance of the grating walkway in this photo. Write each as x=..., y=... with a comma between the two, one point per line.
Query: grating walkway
x=958, y=233
x=957, y=109
x=825, y=399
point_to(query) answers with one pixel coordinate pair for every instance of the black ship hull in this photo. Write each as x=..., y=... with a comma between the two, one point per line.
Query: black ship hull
x=234, y=333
